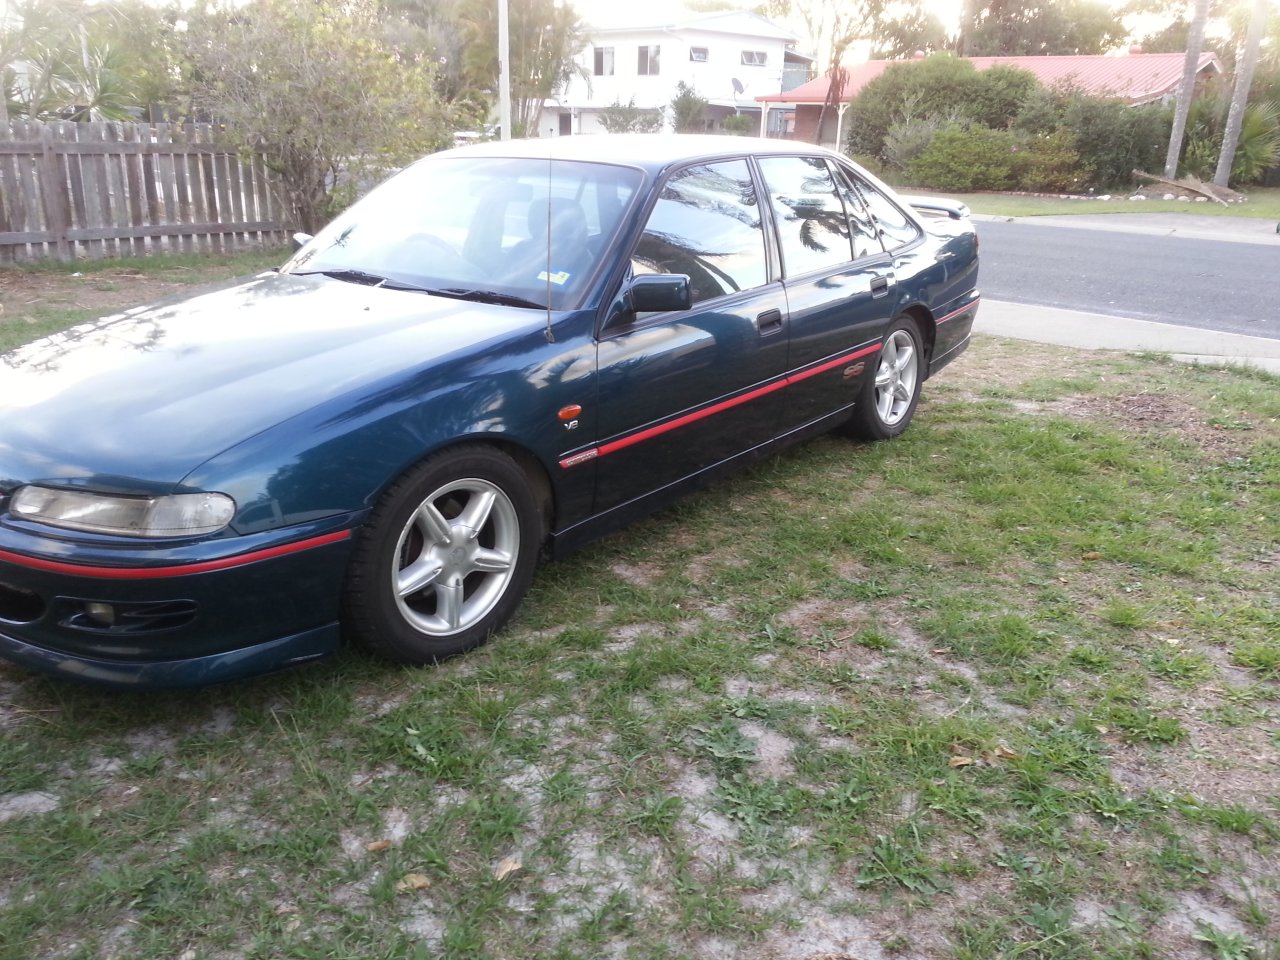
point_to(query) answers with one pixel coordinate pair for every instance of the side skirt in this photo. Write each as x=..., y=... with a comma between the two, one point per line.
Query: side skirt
x=563, y=542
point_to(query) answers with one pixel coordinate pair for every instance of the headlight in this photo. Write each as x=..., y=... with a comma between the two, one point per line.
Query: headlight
x=179, y=515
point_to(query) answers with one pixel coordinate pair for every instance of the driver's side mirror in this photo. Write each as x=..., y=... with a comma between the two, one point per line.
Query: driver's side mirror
x=299, y=240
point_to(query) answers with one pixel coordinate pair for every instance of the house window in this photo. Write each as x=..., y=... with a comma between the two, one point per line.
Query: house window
x=698, y=54
x=647, y=61
x=604, y=61
x=755, y=58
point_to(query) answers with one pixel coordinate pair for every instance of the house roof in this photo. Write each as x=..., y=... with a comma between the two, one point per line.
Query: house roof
x=1135, y=77
x=738, y=23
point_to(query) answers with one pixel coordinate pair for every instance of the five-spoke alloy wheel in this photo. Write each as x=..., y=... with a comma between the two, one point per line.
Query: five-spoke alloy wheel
x=445, y=557
x=888, y=400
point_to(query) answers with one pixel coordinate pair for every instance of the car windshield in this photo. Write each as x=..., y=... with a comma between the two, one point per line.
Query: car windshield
x=520, y=231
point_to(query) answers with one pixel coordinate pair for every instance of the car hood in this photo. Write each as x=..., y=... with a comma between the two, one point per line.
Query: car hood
x=136, y=401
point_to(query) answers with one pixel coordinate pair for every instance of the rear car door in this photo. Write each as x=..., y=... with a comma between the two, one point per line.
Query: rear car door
x=839, y=284
x=679, y=392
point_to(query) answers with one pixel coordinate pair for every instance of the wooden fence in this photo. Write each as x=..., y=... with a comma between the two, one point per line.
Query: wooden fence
x=110, y=189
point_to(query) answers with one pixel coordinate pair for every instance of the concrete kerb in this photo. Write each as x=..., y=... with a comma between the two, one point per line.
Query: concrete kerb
x=1092, y=331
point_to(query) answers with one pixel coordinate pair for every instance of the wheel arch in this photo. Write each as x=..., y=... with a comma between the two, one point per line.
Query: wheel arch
x=539, y=479
x=924, y=322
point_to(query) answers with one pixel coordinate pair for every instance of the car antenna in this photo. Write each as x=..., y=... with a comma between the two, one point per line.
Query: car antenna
x=551, y=337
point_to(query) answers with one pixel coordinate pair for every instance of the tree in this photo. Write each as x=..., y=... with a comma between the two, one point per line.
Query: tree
x=1239, y=99
x=1040, y=28
x=312, y=88
x=435, y=31
x=621, y=117
x=688, y=109
x=1188, y=88
x=67, y=59
x=546, y=37
x=911, y=29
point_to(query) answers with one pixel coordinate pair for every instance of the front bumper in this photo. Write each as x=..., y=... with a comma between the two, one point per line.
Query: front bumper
x=183, y=616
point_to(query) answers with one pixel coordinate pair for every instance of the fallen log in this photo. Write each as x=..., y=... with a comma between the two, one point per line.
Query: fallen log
x=1191, y=184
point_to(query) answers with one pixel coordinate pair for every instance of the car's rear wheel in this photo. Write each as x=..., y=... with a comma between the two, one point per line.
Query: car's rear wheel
x=445, y=558
x=887, y=401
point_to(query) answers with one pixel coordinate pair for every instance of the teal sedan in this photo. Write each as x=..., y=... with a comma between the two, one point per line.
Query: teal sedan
x=502, y=352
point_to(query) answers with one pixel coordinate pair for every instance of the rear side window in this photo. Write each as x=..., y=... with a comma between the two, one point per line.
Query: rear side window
x=706, y=224
x=866, y=239
x=812, y=227
x=896, y=227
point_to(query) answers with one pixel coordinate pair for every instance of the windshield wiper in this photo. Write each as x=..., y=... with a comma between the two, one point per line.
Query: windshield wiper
x=361, y=276
x=487, y=296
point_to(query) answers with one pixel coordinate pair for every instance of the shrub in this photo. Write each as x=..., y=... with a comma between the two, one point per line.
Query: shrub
x=999, y=95
x=1113, y=139
x=739, y=125
x=621, y=117
x=909, y=138
x=1049, y=163
x=938, y=86
x=979, y=158
x=917, y=88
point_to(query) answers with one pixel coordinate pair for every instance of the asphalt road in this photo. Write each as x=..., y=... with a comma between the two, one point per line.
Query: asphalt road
x=1207, y=284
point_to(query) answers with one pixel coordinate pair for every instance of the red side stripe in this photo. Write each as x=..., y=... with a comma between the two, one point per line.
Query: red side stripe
x=971, y=305
x=615, y=445
x=647, y=434
x=823, y=367
x=182, y=570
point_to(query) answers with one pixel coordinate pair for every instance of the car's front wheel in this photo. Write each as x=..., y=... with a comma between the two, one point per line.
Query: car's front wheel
x=445, y=558
x=888, y=400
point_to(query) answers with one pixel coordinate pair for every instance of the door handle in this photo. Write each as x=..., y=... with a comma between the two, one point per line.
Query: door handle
x=879, y=287
x=769, y=322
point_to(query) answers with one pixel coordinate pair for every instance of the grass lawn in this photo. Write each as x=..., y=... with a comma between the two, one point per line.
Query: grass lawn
x=1008, y=687
x=41, y=299
x=1263, y=203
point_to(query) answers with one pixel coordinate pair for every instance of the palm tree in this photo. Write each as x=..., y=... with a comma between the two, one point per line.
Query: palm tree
x=1244, y=77
x=1195, y=40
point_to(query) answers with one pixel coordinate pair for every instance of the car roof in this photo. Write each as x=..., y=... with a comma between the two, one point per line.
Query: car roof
x=651, y=151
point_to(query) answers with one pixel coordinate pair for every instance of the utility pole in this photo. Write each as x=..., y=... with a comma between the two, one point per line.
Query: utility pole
x=504, y=71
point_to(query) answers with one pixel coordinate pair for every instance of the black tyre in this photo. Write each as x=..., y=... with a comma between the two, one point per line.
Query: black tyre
x=887, y=401
x=445, y=557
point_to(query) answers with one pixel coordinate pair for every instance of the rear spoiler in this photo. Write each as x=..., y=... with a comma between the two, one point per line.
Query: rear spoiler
x=939, y=207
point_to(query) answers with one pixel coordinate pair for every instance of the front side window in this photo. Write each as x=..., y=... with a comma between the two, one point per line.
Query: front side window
x=812, y=227
x=647, y=61
x=706, y=224
x=603, y=62
x=896, y=227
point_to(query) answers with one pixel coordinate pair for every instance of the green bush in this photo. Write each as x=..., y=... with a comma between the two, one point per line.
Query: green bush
x=1113, y=139
x=979, y=158
x=999, y=95
x=940, y=86
x=1049, y=163
x=739, y=125
x=916, y=88
x=909, y=138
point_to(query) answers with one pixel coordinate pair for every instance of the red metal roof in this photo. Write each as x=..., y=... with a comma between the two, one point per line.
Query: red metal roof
x=1136, y=77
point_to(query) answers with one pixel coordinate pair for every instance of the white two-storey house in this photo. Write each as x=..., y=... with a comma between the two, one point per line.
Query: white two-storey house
x=728, y=58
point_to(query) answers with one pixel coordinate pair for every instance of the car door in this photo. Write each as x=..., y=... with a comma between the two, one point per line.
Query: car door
x=839, y=284
x=682, y=391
